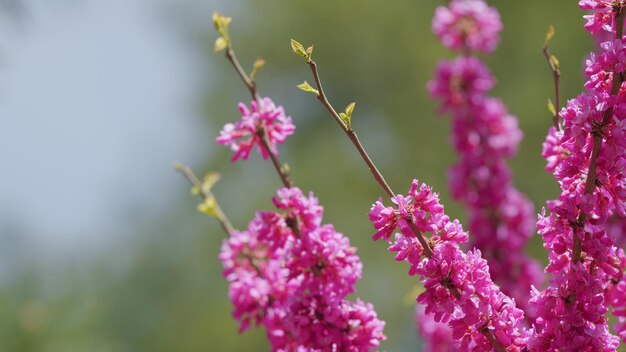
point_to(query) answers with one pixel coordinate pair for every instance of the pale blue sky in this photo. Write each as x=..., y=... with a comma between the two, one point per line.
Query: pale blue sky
x=97, y=98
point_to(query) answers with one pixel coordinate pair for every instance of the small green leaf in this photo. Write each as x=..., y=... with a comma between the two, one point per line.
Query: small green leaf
x=209, y=207
x=209, y=181
x=286, y=169
x=256, y=67
x=221, y=23
x=346, y=119
x=350, y=109
x=551, y=107
x=549, y=36
x=305, y=86
x=554, y=62
x=309, y=51
x=220, y=44
x=299, y=50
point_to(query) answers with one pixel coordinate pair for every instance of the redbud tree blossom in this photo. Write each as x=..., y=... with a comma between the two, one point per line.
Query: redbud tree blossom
x=291, y=274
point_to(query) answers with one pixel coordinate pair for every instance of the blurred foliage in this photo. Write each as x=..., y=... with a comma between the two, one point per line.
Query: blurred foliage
x=169, y=294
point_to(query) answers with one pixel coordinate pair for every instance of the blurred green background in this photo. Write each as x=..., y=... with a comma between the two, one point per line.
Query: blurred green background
x=142, y=273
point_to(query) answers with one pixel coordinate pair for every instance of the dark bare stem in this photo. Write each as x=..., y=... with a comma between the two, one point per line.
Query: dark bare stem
x=590, y=184
x=354, y=138
x=232, y=57
x=191, y=177
x=284, y=175
x=556, y=75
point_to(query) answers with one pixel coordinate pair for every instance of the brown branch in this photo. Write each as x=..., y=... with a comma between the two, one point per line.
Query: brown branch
x=232, y=58
x=206, y=194
x=354, y=138
x=284, y=175
x=420, y=237
x=590, y=183
x=383, y=184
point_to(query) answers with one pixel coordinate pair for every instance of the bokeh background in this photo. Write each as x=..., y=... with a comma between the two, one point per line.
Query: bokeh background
x=101, y=248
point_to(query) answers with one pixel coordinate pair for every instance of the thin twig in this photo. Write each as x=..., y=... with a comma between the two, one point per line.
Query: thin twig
x=232, y=57
x=590, y=183
x=262, y=133
x=354, y=138
x=206, y=194
x=284, y=175
x=556, y=75
x=420, y=237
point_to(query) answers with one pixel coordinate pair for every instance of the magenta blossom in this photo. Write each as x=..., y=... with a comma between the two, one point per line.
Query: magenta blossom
x=295, y=283
x=458, y=287
x=602, y=15
x=263, y=117
x=485, y=135
x=459, y=81
x=468, y=24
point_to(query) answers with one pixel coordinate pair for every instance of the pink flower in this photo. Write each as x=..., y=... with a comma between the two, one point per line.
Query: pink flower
x=458, y=288
x=326, y=262
x=468, y=24
x=484, y=135
x=243, y=135
x=295, y=282
x=602, y=14
x=461, y=81
x=572, y=314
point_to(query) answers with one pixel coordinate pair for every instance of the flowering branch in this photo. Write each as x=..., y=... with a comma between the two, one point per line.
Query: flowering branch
x=420, y=210
x=224, y=42
x=207, y=195
x=590, y=184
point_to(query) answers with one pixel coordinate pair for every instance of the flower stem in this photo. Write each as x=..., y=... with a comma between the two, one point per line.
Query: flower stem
x=420, y=237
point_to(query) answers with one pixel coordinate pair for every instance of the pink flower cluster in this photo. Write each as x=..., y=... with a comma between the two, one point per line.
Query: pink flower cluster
x=468, y=25
x=602, y=14
x=263, y=117
x=295, y=283
x=458, y=287
x=485, y=135
x=581, y=292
